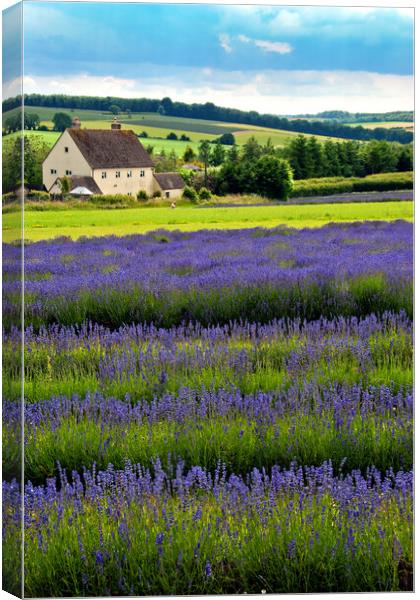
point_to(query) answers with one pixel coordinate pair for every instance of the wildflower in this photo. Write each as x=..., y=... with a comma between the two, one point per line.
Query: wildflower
x=159, y=539
x=208, y=569
x=291, y=547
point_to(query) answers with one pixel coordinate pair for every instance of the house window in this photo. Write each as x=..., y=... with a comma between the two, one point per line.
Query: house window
x=129, y=194
x=129, y=174
x=118, y=174
x=141, y=173
x=66, y=149
x=103, y=174
x=167, y=194
x=68, y=172
x=53, y=171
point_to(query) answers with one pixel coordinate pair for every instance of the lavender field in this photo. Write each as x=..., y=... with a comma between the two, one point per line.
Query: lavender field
x=211, y=412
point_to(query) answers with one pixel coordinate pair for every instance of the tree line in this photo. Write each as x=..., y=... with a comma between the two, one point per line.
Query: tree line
x=253, y=168
x=210, y=111
x=344, y=116
x=309, y=158
x=15, y=122
x=264, y=169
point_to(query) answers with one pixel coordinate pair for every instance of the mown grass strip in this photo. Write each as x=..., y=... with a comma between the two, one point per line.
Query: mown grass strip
x=76, y=223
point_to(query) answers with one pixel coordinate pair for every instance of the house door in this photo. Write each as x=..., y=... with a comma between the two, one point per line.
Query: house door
x=167, y=194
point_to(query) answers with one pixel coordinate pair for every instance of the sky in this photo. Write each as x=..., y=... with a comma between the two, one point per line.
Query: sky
x=272, y=59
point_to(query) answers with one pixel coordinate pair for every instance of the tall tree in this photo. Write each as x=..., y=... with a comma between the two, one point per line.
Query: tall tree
x=353, y=162
x=173, y=159
x=34, y=152
x=380, y=157
x=268, y=147
x=273, y=177
x=204, y=152
x=233, y=154
x=332, y=166
x=314, y=158
x=298, y=157
x=218, y=155
x=251, y=149
x=167, y=105
x=61, y=121
x=228, y=139
x=405, y=159
x=189, y=154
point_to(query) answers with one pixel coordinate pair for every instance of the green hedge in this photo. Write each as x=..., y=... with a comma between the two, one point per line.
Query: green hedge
x=113, y=199
x=340, y=185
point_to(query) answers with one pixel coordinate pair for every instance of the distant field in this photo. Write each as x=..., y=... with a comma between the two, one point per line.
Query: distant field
x=158, y=126
x=46, y=114
x=277, y=137
x=179, y=124
x=153, y=132
x=76, y=223
x=50, y=137
x=386, y=124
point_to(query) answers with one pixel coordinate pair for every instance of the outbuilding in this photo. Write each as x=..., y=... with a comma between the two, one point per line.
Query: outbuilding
x=170, y=184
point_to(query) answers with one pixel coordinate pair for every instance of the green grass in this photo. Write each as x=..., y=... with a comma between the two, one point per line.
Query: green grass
x=76, y=223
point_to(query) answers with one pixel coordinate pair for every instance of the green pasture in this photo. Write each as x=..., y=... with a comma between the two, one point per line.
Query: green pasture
x=50, y=137
x=139, y=127
x=386, y=124
x=46, y=113
x=76, y=223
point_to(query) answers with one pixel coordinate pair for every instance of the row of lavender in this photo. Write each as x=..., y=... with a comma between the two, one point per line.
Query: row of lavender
x=214, y=277
x=142, y=362
x=167, y=456
x=131, y=532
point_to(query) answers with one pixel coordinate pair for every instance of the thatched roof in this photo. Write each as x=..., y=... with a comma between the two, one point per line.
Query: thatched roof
x=169, y=181
x=104, y=148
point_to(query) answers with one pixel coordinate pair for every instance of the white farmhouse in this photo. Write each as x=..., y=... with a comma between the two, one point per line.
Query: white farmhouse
x=103, y=161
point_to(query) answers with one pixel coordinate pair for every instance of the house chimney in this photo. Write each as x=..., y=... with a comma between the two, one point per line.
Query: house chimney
x=115, y=124
x=75, y=124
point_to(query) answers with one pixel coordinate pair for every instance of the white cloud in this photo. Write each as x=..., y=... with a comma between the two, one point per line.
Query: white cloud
x=224, y=40
x=269, y=91
x=279, y=47
x=266, y=45
x=82, y=83
x=11, y=88
x=301, y=21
